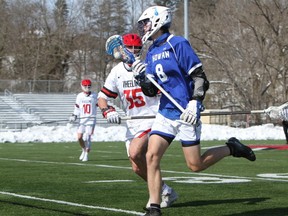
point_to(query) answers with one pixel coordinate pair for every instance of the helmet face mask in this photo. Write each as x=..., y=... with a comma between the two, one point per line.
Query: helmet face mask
x=152, y=20
x=86, y=85
x=144, y=26
x=133, y=43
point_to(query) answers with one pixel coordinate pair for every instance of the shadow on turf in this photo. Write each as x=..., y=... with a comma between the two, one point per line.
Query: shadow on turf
x=248, y=201
x=42, y=208
x=262, y=212
x=251, y=201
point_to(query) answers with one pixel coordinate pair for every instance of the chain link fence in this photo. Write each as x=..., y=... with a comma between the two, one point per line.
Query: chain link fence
x=45, y=86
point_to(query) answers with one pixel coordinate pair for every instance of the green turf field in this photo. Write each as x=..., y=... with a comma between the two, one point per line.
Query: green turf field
x=48, y=179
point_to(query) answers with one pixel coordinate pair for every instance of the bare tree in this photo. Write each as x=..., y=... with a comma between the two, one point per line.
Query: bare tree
x=242, y=44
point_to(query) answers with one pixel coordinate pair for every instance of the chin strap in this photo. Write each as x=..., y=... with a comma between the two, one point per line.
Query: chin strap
x=87, y=93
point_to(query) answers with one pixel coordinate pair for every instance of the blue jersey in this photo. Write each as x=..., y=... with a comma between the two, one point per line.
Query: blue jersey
x=171, y=60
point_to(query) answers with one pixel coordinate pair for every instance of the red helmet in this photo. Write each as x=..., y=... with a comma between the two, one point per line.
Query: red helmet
x=86, y=82
x=133, y=43
x=86, y=85
x=132, y=40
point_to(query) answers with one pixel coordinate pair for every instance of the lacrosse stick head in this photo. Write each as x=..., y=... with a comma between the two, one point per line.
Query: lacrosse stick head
x=284, y=112
x=116, y=48
x=280, y=112
x=273, y=112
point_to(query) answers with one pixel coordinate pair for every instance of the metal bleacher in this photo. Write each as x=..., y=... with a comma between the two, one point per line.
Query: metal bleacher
x=22, y=110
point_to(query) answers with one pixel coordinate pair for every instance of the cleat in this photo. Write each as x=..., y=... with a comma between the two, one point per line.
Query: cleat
x=168, y=199
x=82, y=155
x=153, y=212
x=85, y=158
x=238, y=149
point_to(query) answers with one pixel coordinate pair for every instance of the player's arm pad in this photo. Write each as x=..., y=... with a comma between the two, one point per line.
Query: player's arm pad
x=201, y=84
x=148, y=88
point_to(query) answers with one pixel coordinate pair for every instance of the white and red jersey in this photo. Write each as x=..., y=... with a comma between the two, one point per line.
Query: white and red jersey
x=120, y=82
x=86, y=106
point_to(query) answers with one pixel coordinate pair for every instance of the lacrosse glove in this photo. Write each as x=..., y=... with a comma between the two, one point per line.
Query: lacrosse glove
x=138, y=68
x=72, y=118
x=111, y=115
x=191, y=114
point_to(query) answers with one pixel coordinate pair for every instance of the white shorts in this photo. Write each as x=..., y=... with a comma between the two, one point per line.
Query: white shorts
x=188, y=134
x=137, y=128
x=88, y=129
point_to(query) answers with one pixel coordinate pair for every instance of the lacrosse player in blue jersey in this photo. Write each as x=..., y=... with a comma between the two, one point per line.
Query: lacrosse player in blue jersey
x=284, y=117
x=173, y=64
x=120, y=83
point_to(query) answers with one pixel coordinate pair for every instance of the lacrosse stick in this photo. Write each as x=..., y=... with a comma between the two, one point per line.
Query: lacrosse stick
x=280, y=112
x=149, y=76
x=61, y=120
x=137, y=117
x=274, y=112
x=47, y=122
x=116, y=48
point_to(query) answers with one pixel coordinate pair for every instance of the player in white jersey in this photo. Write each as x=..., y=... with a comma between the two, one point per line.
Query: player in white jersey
x=174, y=65
x=85, y=108
x=121, y=83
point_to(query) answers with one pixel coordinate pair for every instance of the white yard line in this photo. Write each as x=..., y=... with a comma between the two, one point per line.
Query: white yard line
x=201, y=175
x=71, y=203
x=129, y=168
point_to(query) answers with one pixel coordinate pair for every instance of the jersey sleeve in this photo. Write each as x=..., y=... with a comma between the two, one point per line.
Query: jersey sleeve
x=187, y=58
x=109, y=90
x=76, y=106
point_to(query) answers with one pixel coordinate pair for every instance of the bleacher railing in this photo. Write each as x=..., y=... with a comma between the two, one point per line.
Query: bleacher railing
x=9, y=88
x=49, y=86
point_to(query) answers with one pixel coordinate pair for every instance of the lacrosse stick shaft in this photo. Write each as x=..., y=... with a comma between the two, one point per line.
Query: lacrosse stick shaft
x=166, y=94
x=277, y=109
x=205, y=113
x=51, y=122
x=137, y=117
x=211, y=113
x=64, y=120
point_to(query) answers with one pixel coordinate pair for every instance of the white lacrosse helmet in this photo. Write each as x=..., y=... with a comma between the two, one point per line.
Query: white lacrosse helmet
x=152, y=19
x=86, y=85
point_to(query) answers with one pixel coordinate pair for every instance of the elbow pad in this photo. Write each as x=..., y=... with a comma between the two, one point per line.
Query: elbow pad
x=148, y=88
x=201, y=84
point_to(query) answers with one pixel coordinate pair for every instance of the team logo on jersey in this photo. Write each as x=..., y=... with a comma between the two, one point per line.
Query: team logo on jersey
x=162, y=55
x=129, y=83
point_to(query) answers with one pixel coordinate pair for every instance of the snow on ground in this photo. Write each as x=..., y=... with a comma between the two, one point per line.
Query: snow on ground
x=117, y=133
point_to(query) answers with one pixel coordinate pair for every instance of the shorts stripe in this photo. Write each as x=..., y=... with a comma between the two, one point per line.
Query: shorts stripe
x=144, y=133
